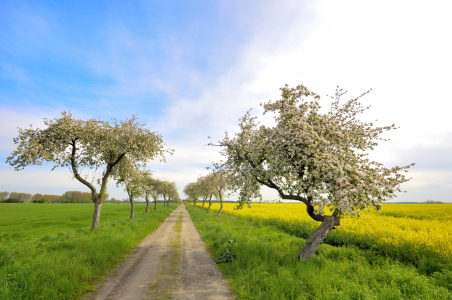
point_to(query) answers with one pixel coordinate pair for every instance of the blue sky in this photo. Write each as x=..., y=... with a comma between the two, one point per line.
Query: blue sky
x=190, y=69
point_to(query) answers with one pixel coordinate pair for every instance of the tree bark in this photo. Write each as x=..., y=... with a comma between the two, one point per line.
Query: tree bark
x=155, y=204
x=194, y=203
x=132, y=208
x=147, y=204
x=317, y=238
x=96, y=215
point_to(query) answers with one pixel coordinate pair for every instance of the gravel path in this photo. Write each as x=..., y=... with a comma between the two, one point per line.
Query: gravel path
x=171, y=263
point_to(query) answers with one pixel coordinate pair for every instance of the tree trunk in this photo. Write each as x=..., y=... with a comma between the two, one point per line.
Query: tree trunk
x=155, y=204
x=194, y=203
x=210, y=203
x=96, y=215
x=203, y=202
x=317, y=238
x=147, y=205
x=132, y=208
x=221, y=206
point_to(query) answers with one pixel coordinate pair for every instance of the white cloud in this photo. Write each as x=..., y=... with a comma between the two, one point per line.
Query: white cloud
x=400, y=49
x=9, y=121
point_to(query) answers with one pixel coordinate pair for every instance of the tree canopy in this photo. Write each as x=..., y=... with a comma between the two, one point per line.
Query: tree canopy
x=87, y=144
x=313, y=157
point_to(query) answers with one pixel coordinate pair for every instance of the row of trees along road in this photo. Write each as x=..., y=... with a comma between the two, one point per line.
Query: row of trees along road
x=215, y=184
x=316, y=158
x=138, y=182
x=84, y=145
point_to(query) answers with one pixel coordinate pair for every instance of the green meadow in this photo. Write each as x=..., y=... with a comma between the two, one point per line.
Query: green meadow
x=47, y=251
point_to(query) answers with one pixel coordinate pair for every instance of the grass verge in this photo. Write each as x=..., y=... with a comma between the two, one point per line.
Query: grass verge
x=260, y=261
x=52, y=264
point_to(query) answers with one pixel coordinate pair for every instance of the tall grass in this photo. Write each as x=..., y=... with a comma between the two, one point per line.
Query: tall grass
x=49, y=251
x=260, y=261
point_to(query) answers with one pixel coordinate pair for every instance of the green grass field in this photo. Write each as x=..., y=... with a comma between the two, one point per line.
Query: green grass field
x=47, y=251
x=260, y=260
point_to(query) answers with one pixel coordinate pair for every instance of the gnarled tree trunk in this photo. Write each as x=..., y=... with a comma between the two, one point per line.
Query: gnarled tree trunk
x=317, y=238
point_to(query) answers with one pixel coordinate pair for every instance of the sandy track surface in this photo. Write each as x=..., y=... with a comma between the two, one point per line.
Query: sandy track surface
x=201, y=277
x=171, y=263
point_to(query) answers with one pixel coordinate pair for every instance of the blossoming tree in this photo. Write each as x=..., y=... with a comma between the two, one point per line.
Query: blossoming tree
x=221, y=182
x=82, y=145
x=193, y=191
x=316, y=158
x=207, y=189
x=168, y=190
x=132, y=178
x=173, y=194
x=150, y=188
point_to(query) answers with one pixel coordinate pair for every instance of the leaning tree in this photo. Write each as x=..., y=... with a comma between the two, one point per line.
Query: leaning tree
x=84, y=145
x=313, y=157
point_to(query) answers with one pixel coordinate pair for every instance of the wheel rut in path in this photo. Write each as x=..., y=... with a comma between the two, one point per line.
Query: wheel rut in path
x=171, y=263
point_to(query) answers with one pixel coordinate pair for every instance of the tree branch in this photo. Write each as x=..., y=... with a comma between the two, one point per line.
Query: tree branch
x=75, y=170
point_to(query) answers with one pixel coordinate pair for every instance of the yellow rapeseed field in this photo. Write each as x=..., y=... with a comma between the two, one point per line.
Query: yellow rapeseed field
x=406, y=231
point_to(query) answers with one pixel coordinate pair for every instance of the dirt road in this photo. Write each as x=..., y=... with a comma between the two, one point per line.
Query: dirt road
x=171, y=263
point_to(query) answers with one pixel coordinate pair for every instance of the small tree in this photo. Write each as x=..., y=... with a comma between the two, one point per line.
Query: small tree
x=173, y=194
x=221, y=182
x=313, y=157
x=166, y=189
x=192, y=191
x=206, y=188
x=148, y=187
x=154, y=191
x=92, y=144
x=132, y=178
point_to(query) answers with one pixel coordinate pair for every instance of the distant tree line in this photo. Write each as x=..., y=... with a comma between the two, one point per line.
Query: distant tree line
x=432, y=202
x=67, y=197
